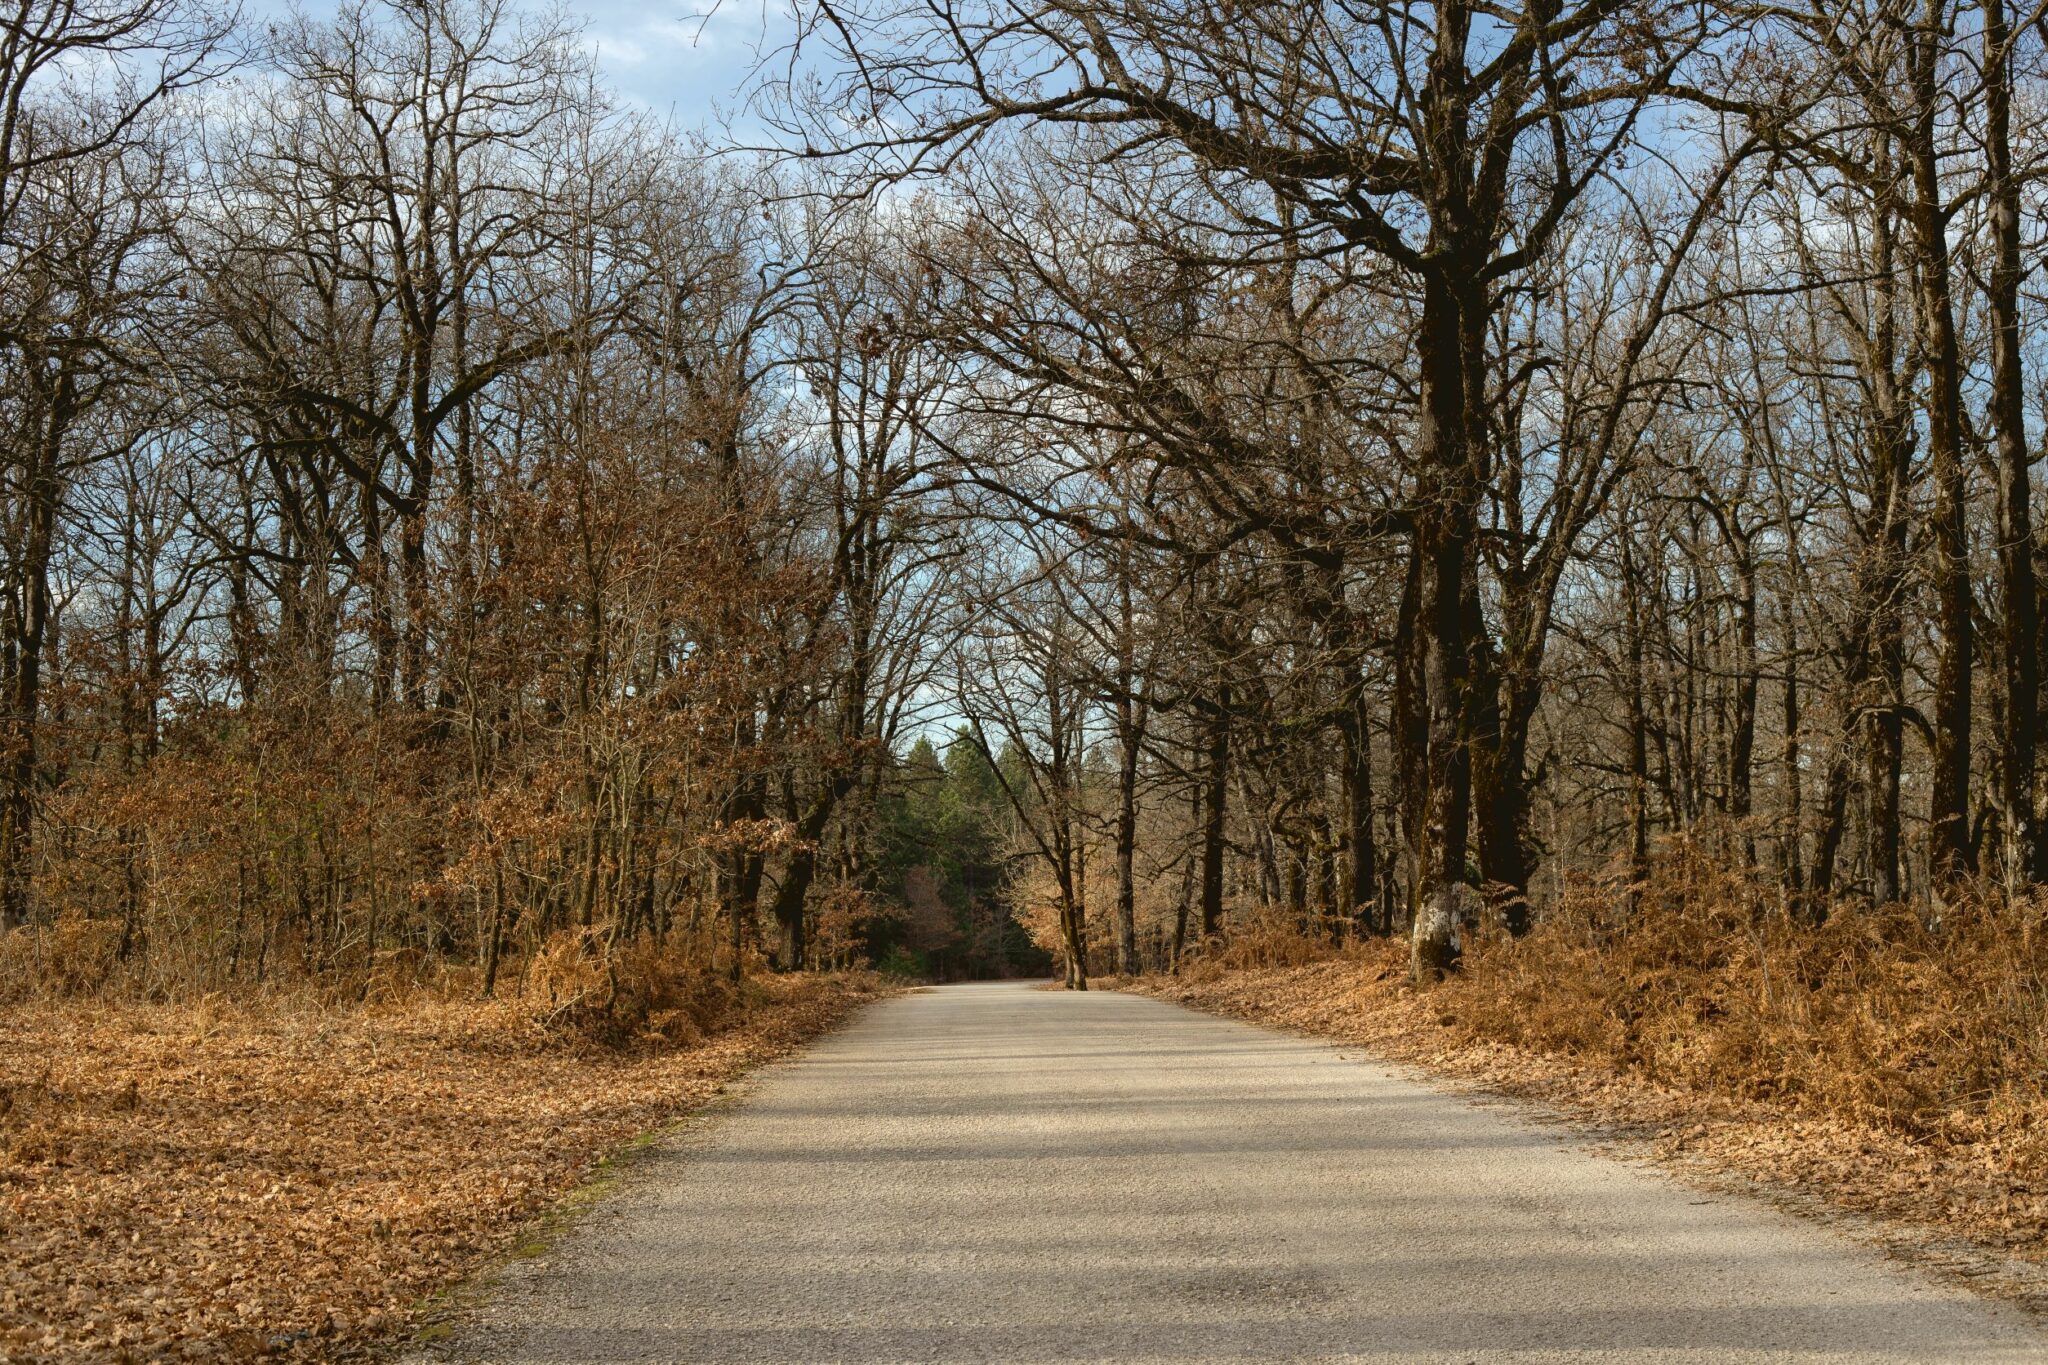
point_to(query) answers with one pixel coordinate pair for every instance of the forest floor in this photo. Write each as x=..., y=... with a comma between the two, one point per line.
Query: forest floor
x=216, y=1182
x=1953, y=1206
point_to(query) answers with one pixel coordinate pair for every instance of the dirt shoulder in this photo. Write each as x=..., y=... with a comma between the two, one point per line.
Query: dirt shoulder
x=216, y=1183
x=1953, y=1206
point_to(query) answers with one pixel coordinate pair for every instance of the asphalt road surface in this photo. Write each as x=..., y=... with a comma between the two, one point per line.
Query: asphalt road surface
x=999, y=1173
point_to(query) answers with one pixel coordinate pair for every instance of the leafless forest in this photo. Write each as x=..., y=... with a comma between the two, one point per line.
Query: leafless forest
x=1497, y=531
x=1051, y=479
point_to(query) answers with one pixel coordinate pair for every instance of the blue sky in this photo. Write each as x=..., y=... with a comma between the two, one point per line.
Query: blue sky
x=681, y=57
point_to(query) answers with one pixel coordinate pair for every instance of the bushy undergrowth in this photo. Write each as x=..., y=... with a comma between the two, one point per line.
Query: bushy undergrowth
x=577, y=987
x=1930, y=1027
x=1923, y=1025
x=1269, y=936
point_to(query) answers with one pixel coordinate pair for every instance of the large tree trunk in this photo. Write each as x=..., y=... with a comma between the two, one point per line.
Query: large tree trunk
x=1638, y=732
x=1792, y=857
x=1742, y=729
x=29, y=619
x=1875, y=671
x=1411, y=726
x=1948, y=802
x=1127, y=844
x=1884, y=763
x=790, y=896
x=1827, y=845
x=741, y=866
x=1500, y=789
x=1445, y=527
x=1073, y=924
x=2021, y=672
x=1183, y=902
x=2040, y=553
x=1361, y=857
x=1132, y=715
x=1215, y=796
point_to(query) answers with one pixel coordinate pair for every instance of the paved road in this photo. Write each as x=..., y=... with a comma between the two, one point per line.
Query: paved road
x=996, y=1173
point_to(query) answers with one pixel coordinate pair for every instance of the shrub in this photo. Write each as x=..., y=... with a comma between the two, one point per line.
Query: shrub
x=903, y=964
x=1925, y=1026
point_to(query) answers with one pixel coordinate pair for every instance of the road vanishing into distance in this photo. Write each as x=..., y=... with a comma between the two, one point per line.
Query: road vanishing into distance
x=1003, y=1173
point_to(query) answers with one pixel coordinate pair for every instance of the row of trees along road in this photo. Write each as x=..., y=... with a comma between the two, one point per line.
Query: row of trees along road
x=1102, y=470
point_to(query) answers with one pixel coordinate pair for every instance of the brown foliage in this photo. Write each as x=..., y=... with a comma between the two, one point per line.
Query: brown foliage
x=225, y=1182
x=1267, y=937
x=583, y=988
x=76, y=956
x=1929, y=1029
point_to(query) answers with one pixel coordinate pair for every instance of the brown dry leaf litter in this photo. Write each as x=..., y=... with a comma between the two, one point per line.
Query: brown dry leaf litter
x=1868, y=1067
x=207, y=1183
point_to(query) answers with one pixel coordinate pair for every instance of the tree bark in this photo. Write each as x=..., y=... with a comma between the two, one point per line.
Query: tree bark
x=2020, y=679
x=1742, y=727
x=1500, y=789
x=1411, y=725
x=1948, y=808
x=1361, y=856
x=1638, y=734
x=30, y=620
x=1445, y=526
x=1215, y=798
x=1792, y=857
x=1127, y=847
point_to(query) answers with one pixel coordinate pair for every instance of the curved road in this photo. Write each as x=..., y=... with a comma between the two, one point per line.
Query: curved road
x=998, y=1173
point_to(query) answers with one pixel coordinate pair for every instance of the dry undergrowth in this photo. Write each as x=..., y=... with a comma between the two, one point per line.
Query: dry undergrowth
x=216, y=1182
x=1879, y=1063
